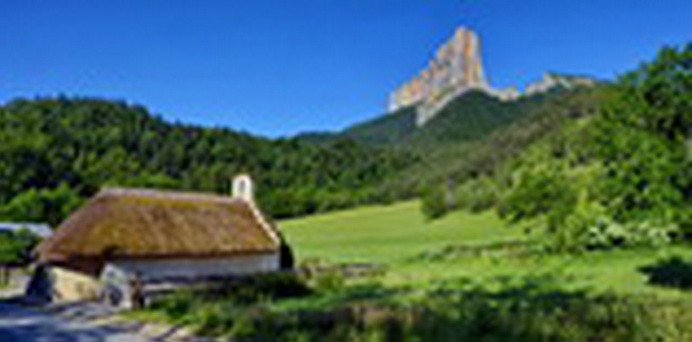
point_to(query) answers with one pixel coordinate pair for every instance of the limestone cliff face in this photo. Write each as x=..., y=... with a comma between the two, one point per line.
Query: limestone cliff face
x=457, y=66
x=551, y=81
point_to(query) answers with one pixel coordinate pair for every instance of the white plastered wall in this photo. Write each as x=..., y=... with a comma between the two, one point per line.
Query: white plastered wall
x=199, y=268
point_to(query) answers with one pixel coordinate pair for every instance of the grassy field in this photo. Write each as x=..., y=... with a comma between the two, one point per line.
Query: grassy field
x=464, y=277
x=389, y=234
x=417, y=252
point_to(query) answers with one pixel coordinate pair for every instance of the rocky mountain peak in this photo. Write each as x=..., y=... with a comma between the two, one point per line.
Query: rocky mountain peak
x=456, y=65
x=456, y=68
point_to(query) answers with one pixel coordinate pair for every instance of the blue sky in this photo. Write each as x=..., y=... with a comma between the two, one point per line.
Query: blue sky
x=279, y=67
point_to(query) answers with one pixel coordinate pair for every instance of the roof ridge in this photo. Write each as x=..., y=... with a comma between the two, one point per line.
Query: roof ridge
x=166, y=194
x=158, y=226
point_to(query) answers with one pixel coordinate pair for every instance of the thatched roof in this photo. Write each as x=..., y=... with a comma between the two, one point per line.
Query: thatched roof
x=133, y=223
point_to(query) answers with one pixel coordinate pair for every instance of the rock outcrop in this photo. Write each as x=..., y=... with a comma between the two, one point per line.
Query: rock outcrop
x=551, y=81
x=458, y=68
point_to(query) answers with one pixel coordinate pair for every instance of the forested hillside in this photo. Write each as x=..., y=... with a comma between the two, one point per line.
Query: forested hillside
x=617, y=172
x=57, y=151
x=473, y=135
x=469, y=117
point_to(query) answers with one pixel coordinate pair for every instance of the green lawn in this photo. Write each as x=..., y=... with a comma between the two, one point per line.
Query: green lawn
x=464, y=277
x=397, y=235
x=388, y=234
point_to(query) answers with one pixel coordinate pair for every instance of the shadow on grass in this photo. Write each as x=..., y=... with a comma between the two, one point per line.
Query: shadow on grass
x=505, y=309
x=671, y=272
x=533, y=308
x=517, y=249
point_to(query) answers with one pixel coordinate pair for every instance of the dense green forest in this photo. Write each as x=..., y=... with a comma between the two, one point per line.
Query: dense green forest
x=58, y=151
x=469, y=117
x=616, y=170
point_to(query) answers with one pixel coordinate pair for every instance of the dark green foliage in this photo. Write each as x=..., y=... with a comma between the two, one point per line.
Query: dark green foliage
x=435, y=202
x=329, y=280
x=544, y=191
x=87, y=144
x=596, y=168
x=58, y=149
x=45, y=205
x=488, y=157
x=476, y=195
x=532, y=309
x=470, y=117
x=671, y=272
x=643, y=139
x=16, y=247
x=390, y=129
x=251, y=289
x=620, y=177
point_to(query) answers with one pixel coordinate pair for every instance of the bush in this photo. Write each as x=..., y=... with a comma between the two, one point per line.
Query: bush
x=44, y=205
x=16, y=247
x=257, y=288
x=328, y=281
x=476, y=195
x=545, y=190
x=435, y=203
x=671, y=272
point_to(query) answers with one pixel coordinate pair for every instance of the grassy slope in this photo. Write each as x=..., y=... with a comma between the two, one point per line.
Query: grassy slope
x=387, y=234
x=469, y=117
x=392, y=128
x=395, y=235
x=491, y=296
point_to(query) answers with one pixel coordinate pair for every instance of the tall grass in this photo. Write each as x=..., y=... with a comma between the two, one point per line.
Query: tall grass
x=524, y=309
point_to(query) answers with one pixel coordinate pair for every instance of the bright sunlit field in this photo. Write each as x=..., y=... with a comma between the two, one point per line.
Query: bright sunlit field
x=417, y=252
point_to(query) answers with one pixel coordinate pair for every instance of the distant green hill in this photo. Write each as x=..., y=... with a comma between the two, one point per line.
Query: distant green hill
x=56, y=151
x=474, y=134
x=469, y=117
x=472, y=116
x=460, y=144
x=393, y=128
x=64, y=149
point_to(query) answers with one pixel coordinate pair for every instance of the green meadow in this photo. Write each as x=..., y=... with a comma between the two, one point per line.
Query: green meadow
x=464, y=245
x=389, y=234
x=463, y=277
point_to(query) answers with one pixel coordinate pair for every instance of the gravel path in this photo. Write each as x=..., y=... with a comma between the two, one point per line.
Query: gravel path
x=18, y=323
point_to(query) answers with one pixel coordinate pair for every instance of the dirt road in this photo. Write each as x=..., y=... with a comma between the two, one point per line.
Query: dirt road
x=22, y=324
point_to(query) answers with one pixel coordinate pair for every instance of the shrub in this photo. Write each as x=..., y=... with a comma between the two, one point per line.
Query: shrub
x=330, y=280
x=671, y=272
x=476, y=195
x=434, y=202
x=16, y=247
x=545, y=190
x=256, y=288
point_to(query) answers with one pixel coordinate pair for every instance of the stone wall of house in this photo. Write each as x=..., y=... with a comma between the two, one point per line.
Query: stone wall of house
x=155, y=269
x=69, y=286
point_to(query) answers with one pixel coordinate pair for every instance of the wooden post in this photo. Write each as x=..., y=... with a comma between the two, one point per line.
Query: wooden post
x=137, y=299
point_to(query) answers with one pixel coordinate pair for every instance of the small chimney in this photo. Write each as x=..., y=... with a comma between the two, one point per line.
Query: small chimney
x=243, y=188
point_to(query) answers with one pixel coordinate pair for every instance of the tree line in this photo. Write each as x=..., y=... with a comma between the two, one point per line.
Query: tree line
x=616, y=170
x=58, y=151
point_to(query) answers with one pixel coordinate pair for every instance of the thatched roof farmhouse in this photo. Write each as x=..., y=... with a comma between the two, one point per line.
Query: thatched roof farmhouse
x=125, y=234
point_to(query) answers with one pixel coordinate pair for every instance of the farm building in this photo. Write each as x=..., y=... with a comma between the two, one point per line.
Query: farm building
x=123, y=237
